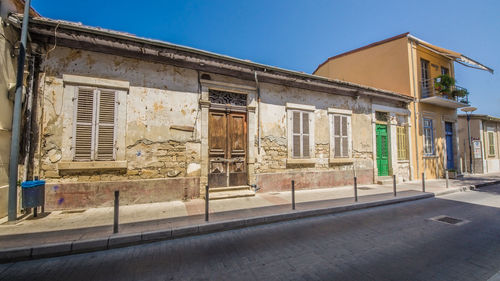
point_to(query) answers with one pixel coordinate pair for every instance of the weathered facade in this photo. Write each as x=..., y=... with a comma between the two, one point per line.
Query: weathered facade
x=411, y=66
x=159, y=122
x=484, y=136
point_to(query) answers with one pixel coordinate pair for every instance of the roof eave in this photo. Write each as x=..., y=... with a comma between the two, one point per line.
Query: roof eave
x=157, y=43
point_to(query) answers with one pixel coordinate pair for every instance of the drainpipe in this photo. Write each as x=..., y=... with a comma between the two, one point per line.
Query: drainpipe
x=415, y=118
x=29, y=111
x=258, y=112
x=16, y=118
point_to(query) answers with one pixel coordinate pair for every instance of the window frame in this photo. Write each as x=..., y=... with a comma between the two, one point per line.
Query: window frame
x=341, y=113
x=445, y=71
x=290, y=109
x=96, y=91
x=425, y=83
x=301, y=134
x=432, y=142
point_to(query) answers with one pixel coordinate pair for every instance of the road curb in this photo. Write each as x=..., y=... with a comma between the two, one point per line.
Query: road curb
x=474, y=186
x=124, y=240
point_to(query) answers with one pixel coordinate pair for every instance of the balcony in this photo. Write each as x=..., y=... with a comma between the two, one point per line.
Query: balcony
x=436, y=92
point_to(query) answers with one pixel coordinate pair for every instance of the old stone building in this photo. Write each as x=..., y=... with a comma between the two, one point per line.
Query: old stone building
x=159, y=121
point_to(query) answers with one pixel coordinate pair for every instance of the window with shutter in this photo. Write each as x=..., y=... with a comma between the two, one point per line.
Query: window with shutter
x=95, y=125
x=491, y=144
x=402, y=143
x=340, y=129
x=300, y=134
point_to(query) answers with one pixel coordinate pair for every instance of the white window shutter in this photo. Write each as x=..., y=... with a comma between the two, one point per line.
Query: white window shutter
x=84, y=124
x=105, y=125
x=305, y=134
x=337, y=135
x=345, y=141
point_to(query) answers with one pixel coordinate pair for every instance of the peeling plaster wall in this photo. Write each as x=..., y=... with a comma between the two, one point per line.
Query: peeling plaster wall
x=159, y=97
x=274, y=151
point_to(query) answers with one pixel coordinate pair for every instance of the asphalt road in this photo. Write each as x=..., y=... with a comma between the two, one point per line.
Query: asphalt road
x=397, y=242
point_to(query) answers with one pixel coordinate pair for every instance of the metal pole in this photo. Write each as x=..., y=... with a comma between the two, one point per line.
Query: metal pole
x=423, y=182
x=394, y=184
x=16, y=118
x=206, y=202
x=117, y=210
x=293, y=195
x=470, y=143
x=355, y=189
x=447, y=178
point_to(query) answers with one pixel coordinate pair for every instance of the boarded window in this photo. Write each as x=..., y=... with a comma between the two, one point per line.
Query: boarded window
x=402, y=143
x=95, y=125
x=340, y=129
x=300, y=134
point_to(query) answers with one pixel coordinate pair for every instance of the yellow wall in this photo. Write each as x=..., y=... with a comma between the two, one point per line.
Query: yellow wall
x=385, y=66
x=434, y=166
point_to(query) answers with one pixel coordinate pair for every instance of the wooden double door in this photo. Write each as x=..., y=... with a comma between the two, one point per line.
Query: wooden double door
x=227, y=142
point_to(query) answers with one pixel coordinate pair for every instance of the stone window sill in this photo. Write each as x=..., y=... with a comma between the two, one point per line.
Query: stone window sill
x=340, y=160
x=300, y=161
x=430, y=156
x=403, y=161
x=94, y=165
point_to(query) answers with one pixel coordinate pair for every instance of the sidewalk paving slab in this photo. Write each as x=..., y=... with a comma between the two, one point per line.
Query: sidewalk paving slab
x=76, y=236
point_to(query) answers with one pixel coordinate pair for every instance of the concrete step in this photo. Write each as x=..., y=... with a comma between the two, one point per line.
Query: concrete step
x=384, y=180
x=229, y=188
x=231, y=194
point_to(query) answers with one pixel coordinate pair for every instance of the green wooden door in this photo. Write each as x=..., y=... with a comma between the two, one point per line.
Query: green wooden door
x=382, y=154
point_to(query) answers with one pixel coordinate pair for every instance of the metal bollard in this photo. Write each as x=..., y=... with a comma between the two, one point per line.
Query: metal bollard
x=394, y=184
x=447, y=178
x=423, y=182
x=117, y=205
x=206, y=202
x=355, y=189
x=293, y=195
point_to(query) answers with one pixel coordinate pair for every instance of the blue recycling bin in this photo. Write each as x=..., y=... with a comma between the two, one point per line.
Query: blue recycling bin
x=33, y=193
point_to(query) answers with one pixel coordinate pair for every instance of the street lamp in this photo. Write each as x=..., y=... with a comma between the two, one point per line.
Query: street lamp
x=468, y=111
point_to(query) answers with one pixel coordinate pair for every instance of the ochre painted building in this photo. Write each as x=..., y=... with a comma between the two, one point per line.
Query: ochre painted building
x=408, y=65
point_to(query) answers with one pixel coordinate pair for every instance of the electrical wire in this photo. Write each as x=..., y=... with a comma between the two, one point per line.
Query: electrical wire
x=55, y=41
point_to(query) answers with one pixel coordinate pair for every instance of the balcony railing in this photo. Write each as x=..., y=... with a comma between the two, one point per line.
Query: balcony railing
x=456, y=93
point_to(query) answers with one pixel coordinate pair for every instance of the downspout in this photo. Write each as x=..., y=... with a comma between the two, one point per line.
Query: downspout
x=29, y=111
x=258, y=112
x=415, y=118
x=16, y=118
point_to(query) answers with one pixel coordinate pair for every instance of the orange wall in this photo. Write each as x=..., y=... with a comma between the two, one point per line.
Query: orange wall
x=385, y=66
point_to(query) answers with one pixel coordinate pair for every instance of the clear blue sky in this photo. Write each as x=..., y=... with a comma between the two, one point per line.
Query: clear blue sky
x=299, y=35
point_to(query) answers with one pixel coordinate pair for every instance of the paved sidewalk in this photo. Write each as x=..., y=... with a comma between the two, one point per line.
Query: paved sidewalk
x=96, y=223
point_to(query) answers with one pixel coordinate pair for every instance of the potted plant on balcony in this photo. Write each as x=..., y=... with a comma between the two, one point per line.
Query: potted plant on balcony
x=459, y=93
x=444, y=84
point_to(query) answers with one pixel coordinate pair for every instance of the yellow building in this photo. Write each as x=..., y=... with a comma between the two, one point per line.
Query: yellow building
x=408, y=65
